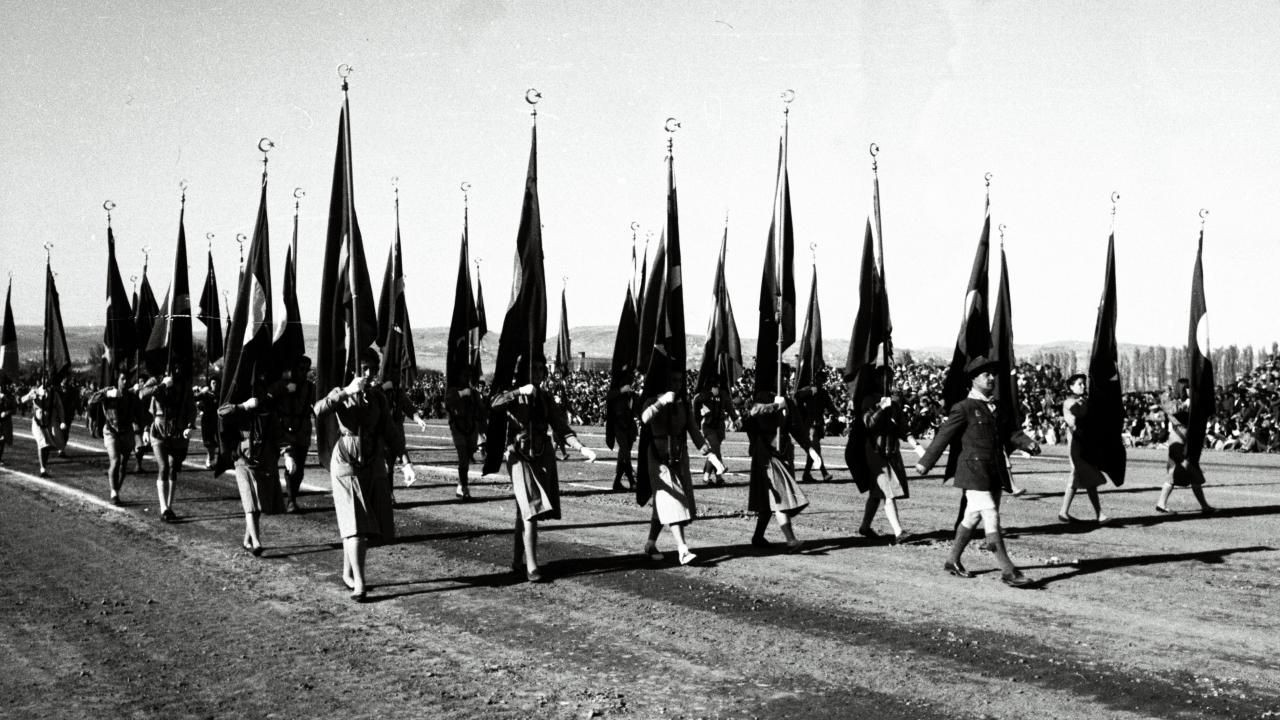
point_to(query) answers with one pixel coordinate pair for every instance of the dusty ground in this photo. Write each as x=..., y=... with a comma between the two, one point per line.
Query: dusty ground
x=109, y=613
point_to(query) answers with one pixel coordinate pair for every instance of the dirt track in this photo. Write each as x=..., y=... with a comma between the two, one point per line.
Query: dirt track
x=109, y=613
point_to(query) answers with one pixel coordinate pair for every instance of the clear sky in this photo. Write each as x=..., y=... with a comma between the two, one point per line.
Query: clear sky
x=1175, y=105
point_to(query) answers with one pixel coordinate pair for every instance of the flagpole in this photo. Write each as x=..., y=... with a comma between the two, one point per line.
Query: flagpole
x=465, y=187
x=779, y=206
x=298, y=194
x=532, y=96
x=1115, y=196
x=635, y=226
x=44, y=350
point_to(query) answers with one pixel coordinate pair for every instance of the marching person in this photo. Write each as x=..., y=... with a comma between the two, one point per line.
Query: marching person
x=713, y=412
x=357, y=465
x=173, y=417
x=43, y=422
x=812, y=403
x=397, y=443
x=465, y=407
x=878, y=470
x=207, y=408
x=620, y=432
x=293, y=397
x=256, y=457
x=8, y=406
x=773, y=491
x=119, y=406
x=141, y=426
x=66, y=406
x=1181, y=472
x=980, y=471
x=1084, y=476
x=534, y=418
x=664, y=467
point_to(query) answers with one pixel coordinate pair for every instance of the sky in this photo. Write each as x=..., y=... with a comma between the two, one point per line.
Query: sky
x=1174, y=105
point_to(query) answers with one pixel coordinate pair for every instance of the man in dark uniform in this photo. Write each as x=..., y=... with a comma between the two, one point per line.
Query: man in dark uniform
x=981, y=470
x=292, y=397
x=714, y=411
x=813, y=402
x=119, y=407
x=621, y=409
x=466, y=411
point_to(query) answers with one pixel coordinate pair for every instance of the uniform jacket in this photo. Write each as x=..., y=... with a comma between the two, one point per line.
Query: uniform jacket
x=980, y=464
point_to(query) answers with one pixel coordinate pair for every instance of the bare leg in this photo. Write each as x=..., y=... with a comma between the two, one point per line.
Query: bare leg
x=762, y=522
x=1068, y=495
x=868, y=514
x=1096, y=502
x=891, y=514
x=1163, y=503
x=353, y=551
x=1198, y=491
x=784, y=524
x=162, y=484
x=252, y=540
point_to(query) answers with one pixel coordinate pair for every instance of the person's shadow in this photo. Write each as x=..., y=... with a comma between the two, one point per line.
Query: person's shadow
x=1090, y=566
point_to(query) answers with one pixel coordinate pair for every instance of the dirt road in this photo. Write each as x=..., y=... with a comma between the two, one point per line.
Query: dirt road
x=109, y=613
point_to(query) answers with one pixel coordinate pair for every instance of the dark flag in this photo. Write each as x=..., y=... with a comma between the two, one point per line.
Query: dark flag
x=289, y=345
x=118, y=337
x=868, y=352
x=622, y=370
x=809, y=364
x=9, y=339
x=57, y=359
x=248, y=351
x=210, y=315
x=462, y=354
x=777, y=328
x=347, y=314
x=722, y=353
x=520, y=357
x=145, y=313
x=638, y=301
x=974, y=339
x=1008, y=406
x=1199, y=350
x=1100, y=430
x=564, y=351
x=395, y=336
x=170, y=346
x=482, y=329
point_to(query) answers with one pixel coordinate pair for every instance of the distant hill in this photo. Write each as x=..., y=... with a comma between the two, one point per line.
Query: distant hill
x=595, y=341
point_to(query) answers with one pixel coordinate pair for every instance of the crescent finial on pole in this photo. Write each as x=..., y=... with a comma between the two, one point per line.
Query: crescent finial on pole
x=813, y=251
x=874, y=150
x=344, y=72
x=182, y=185
x=671, y=126
x=208, y=237
x=264, y=146
x=298, y=194
x=465, y=187
x=146, y=258
x=48, y=252
x=1001, y=228
x=108, y=206
x=532, y=96
x=240, y=238
x=1115, y=197
x=133, y=279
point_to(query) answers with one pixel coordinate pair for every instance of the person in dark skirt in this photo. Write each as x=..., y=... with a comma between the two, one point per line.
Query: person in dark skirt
x=773, y=489
x=667, y=421
x=876, y=461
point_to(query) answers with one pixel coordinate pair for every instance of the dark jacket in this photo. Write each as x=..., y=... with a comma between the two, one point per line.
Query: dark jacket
x=981, y=461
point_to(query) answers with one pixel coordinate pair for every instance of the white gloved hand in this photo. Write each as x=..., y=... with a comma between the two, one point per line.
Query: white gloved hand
x=588, y=453
x=667, y=397
x=291, y=387
x=250, y=404
x=167, y=381
x=355, y=386
x=186, y=433
x=113, y=392
x=410, y=477
x=525, y=389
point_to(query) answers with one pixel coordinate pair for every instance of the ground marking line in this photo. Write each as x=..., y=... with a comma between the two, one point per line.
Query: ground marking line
x=50, y=485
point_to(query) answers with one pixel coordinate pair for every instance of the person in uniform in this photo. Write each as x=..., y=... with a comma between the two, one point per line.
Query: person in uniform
x=713, y=411
x=65, y=407
x=1179, y=471
x=207, y=408
x=292, y=397
x=812, y=403
x=665, y=478
x=770, y=426
x=465, y=408
x=876, y=462
x=141, y=426
x=173, y=417
x=397, y=442
x=256, y=424
x=1084, y=476
x=620, y=432
x=536, y=424
x=118, y=406
x=44, y=422
x=980, y=471
x=357, y=464
x=8, y=406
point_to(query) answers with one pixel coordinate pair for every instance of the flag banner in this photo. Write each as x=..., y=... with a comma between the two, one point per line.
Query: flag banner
x=395, y=336
x=809, y=364
x=1008, y=405
x=1101, y=429
x=118, y=337
x=564, y=351
x=248, y=351
x=668, y=357
x=1200, y=353
x=868, y=353
x=57, y=358
x=722, y=353
x=520, y=357
x=145, y=313
x=777, y=323
x=170, y=347
x=211, y=316
x=974, y=338
x=463, y=352
x=482, y=329
x=346, y=313
x=642, y=354
x=9, y=339
x=622, y=369
x=289, y=345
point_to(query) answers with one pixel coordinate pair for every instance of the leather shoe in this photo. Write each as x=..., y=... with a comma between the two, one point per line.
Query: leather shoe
x=1164, y=510
x=868, y=532
x=1017, y=580
x=760, y=541
x=956, y=569
x=537, y=577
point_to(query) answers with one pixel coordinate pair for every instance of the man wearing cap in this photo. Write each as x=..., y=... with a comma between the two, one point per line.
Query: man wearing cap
x=980, y=471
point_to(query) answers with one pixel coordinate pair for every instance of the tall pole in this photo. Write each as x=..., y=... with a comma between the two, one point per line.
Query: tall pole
x=532, y=96
x=465, y=187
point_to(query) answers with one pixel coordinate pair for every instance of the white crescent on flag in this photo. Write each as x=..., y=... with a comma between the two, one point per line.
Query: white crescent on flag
x=1202, y=334
x=257, y=311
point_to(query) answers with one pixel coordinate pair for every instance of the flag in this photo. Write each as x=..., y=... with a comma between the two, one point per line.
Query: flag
x=520, y=357
x=622, y=369
x=809, y=364
x=145, y=313
x=348, y=320
x=57, y=359
x=974, y=338
x=1100, y=430
x=289, y=346
x=722, y=353
x=210, y=316
x=482, y=329
x=1008, y=407
x=869, y=351
x=248, y=351
x=1199, y=350
x=564, y=351
x=169, y=347
x=462, y=354
x=777, y=327
x=118, y=337
x=638, y=301
x=395, y=336
x=662, y=323
x=9, y=339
